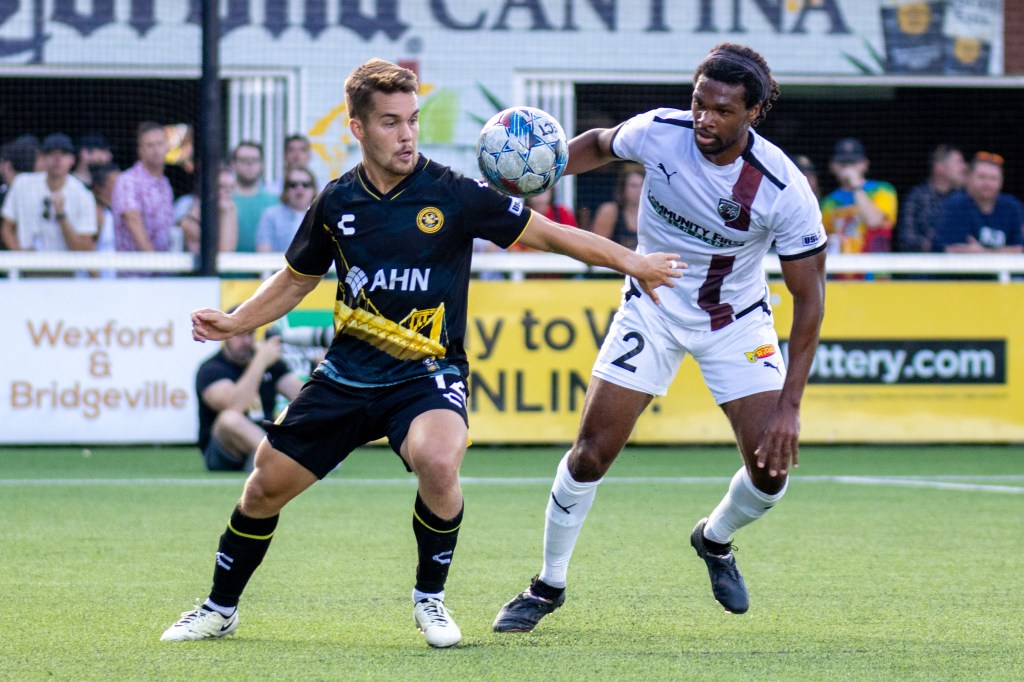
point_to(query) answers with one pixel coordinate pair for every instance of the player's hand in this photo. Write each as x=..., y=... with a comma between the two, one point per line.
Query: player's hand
x=213, y=325
x=658, y=269
x=780, y=443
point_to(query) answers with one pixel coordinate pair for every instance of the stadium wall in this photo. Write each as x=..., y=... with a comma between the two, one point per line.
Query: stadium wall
x=89, y=361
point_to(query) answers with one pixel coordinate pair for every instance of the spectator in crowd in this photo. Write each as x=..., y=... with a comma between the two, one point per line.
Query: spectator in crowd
x=280, y=222
x=93, y=150
x=859, y=215
x=981, y=218
x=50, y=210
x=921, y=210
x=104, y=177
x=15, y=157
x=237, y=387
x=250, y=196
x=143, y=202
x=810, y=171
x=297, y=154
x=227, y=216
x=616, y=219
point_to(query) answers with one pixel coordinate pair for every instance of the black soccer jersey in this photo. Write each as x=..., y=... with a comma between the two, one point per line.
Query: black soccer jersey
x=403, y=263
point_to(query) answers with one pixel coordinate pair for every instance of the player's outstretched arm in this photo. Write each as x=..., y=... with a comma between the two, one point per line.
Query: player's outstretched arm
x=780, y=444
x=281, y=292
x=591, y=149
x=650, y=271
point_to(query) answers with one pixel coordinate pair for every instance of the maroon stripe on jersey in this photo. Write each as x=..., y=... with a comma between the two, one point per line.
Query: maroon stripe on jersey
x=743, y=193
x=709, y=297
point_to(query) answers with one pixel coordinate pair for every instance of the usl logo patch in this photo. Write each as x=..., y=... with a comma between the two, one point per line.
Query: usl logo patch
x=430, y=220
x=728, y=209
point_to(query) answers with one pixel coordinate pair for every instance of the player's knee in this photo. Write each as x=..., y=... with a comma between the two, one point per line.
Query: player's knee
x=588, y=461
x=261, y=497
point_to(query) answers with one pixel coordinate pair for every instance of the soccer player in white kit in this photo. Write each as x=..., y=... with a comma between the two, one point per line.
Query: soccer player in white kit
x=720, y=195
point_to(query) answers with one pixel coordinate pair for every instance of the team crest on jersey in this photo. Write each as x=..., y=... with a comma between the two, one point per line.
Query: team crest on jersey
x=761, y=352
x=430, y=220
x=728, y=209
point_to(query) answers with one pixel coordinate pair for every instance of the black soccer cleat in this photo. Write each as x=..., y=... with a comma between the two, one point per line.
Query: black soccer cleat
x=527, y=608
x=726, y=582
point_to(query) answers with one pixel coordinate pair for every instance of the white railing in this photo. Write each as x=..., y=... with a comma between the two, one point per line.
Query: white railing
x=1002, y=267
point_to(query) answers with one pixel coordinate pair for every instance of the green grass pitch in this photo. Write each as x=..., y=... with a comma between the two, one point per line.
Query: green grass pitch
x=881, y=564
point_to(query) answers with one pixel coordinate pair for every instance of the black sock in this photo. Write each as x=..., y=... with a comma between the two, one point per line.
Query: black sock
x=435, y=542
x=242, y=548
x=717, y=548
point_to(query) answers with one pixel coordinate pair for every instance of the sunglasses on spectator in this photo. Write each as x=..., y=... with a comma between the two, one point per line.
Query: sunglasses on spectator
x=292, y=184
x=989, y=157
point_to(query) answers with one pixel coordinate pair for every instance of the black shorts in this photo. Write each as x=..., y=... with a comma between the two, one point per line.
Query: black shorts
x=327, y=420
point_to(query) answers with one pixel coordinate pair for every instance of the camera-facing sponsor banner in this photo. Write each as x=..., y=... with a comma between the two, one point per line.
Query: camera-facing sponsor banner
x=897, y=362
x=100, y=361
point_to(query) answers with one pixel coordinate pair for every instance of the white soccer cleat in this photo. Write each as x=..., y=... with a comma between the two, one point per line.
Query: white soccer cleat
x=200, y=623
x=436, y=624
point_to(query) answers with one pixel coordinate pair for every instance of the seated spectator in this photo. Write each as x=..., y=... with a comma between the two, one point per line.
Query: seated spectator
x=50, y=210
x=227, y=217
x=298, y=153
x=237, y=388
x=920, y=212
x=280, y=222
x=93, y=150
x=104, y=177
x=981, y=218
x=859, y=215
x=810, y=172
x=143, y=202
x=250, y=196
x=616, y=220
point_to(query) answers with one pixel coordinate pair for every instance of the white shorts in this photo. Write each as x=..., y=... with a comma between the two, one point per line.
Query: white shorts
x=643, y=351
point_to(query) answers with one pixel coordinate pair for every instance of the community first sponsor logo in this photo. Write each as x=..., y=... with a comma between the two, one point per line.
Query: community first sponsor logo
x=890, y=362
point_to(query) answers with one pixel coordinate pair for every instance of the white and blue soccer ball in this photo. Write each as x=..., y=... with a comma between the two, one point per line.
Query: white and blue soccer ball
x=522, y=151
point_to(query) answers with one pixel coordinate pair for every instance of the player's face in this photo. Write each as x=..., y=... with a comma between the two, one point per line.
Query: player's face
x=721, y=119
x=388, y=134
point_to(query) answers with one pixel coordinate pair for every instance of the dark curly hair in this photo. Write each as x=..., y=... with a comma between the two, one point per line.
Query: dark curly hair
x=740, y=65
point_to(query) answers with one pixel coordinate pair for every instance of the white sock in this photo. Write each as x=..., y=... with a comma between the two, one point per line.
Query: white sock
x=741, y=506
x=418, y=596
x=567, y=509
x=225, y=611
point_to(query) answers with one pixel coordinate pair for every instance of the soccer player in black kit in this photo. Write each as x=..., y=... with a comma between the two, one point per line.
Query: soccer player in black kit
x=399, y=229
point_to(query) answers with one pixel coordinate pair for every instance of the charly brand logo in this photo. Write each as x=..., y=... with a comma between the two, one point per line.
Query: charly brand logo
x=430, y=220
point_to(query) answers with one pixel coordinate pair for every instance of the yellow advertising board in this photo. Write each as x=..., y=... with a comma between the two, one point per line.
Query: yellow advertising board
x=898, y=362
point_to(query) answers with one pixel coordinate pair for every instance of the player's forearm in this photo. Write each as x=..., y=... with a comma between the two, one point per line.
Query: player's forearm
x=278, y=295
x=589, y=150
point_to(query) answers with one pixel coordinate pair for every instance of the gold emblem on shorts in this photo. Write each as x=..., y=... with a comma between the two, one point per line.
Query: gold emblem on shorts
x=761, y=352
x=430, y=220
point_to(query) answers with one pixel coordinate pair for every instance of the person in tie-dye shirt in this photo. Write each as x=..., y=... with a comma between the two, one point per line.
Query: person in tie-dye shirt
x=860, y=214
x=143, y=202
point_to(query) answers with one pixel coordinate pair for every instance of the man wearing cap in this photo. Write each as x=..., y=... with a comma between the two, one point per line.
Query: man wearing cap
x=49, y=210
x=859, y=215
x=93, y=150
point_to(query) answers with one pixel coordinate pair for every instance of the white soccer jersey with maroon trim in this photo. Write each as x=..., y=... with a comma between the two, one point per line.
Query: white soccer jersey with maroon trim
x=721, y=219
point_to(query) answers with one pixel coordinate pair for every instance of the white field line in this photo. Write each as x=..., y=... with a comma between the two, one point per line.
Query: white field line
x=990, y=484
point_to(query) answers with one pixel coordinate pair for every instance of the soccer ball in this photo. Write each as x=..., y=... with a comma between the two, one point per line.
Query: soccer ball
x=522, y=151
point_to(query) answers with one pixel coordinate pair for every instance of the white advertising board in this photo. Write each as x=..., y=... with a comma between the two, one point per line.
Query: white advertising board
x=100, y=361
